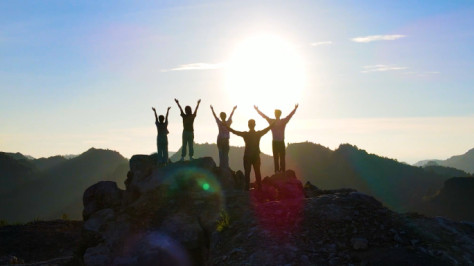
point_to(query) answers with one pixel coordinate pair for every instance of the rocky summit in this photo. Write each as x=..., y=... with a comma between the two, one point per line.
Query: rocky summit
x=194, y=213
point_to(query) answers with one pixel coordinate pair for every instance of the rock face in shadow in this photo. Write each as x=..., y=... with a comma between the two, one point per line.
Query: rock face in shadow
x=194, y=213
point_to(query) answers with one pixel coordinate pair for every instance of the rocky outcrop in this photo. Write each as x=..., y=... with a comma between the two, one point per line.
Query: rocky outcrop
x=165, y=214
x=194, y=213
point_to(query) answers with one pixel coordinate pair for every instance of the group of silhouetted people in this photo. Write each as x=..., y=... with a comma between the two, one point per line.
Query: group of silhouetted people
x=251, y=139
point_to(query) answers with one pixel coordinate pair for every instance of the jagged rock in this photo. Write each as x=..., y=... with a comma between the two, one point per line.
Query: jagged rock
x=99, y=255
x=185, y=229
x=98, y=220
x=193, y=213
x=359, y=243
x=281, y=186
x=104, y=194
x=225, y=176
x=239, y=180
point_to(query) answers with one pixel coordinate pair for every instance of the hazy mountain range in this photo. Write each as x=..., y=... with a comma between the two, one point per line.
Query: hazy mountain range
x=46, y=188
x=49, y=187
x=463, y=162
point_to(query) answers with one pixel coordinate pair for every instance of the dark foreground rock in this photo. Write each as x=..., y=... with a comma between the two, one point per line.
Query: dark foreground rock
x=39, y=243
x=194, y=213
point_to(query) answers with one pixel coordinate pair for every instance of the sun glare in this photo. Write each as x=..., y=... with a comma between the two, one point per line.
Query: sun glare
x=267, y=71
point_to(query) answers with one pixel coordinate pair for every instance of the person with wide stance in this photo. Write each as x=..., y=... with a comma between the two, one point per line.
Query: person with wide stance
x=278, y=133
x=252, y=151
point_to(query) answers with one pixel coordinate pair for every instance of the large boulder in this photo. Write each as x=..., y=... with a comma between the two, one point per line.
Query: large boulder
x=102, y=195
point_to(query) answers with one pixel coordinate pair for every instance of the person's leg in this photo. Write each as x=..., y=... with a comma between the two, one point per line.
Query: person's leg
x=219, y=149
x=158, y=149
x=165, y=151
x=247, y=168
x=258, y=176
x=183, y=148
x=275, y=156
x=160, y=152
x=225, y=152
x=191, y=145
x=282, y=157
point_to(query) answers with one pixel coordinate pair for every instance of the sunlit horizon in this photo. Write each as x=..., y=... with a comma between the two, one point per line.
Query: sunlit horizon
x=393, y=78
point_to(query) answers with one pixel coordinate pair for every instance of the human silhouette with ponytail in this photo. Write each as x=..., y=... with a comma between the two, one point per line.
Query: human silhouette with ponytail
x=162, y=139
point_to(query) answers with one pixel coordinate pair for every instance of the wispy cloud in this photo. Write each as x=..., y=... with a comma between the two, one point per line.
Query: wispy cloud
x=422, y=73
x=195, y=66
x=321, y=43
x=373, y=38
x=381, y=68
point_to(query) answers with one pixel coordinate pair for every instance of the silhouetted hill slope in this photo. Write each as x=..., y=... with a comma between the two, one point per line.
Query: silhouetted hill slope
x=463, y=162
x=45, y=163
x=57, y=189
x=445, y=171
x=454, y=200
x=19, y=156
x=14, y=171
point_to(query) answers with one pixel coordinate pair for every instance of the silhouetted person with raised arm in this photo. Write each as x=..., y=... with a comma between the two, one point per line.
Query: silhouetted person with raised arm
x=278, y=132
x=162, y=139
x=223, y=137
x=252, y=152
x=188, y=129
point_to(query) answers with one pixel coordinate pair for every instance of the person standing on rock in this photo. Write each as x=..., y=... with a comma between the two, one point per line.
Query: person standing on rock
x=252, y=151
x=162, y=139
x=278, y=132
x=188, y=129
x=223, y=137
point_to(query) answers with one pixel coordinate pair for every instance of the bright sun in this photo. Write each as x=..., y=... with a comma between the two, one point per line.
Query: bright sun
x=266, y=71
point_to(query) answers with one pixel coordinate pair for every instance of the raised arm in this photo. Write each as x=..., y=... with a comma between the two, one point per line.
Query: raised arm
x=213, y=113
x=291, y=114
x=197, y=107
x=261, y=114
x=154, y=111
x=232, y=113
x=238, y=133
x=167, y=112
x=181, y=109
x=264, y=131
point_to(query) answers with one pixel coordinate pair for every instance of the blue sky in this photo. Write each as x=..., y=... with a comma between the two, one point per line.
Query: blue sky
x=392, y=77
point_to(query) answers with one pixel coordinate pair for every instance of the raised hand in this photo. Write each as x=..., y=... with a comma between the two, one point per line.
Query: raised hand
x=199, y=101
x=153, y=108
x=296, y=106
x=212, y=107
x=235, y=107
x=169, y=108
x=176, y=100
x=256, y=107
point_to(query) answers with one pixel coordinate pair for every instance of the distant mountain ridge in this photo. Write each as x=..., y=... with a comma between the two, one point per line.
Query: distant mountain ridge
x=48, y=187
x=54, y=185
x=400, y=186
x=463, y=162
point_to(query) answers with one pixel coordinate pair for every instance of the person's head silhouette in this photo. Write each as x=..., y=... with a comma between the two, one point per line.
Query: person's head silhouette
x=251, y=124
x=161, y=118
x=277, y=113
x=223, y=116
x=188, y=110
